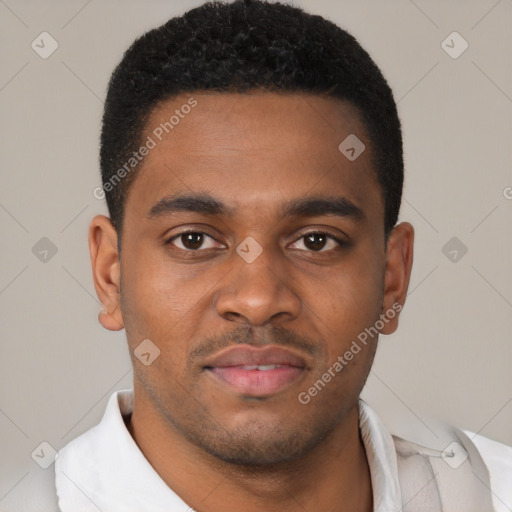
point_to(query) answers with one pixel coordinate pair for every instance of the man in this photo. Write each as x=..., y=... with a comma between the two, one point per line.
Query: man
x=251, y=159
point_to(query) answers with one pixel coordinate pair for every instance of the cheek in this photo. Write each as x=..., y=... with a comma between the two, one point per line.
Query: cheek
x=347, y=311
x=350, y=301
x=165, y=304
x=155, y=307
x=156, y=294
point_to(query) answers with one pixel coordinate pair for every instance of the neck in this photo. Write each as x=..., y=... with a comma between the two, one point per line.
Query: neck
x=333, y=476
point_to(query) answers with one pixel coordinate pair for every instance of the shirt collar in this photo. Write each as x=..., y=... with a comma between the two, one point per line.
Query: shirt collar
x=94, y=470
x=381, y=455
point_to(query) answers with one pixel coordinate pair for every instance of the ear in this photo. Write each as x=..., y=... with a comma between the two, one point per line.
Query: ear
x=399, y=256
x=106, y=271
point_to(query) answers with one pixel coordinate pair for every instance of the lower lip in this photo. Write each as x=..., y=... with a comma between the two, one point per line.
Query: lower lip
x=258, y=382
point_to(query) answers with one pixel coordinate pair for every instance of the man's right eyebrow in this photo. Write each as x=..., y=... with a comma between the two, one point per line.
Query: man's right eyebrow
x=198, y=203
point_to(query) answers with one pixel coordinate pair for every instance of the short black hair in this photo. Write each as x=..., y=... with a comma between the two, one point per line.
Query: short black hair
x=238, y=47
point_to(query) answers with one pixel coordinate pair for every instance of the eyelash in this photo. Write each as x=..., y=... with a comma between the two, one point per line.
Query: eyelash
x=339, y=242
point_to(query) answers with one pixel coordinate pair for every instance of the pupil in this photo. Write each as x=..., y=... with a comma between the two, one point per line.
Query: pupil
x=192, y=240
x=315, y=242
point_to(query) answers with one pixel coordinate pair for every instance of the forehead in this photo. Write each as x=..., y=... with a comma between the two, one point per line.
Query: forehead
x=258, y=149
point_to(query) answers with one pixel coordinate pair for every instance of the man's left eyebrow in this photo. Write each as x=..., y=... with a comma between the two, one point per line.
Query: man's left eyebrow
x=318, y=206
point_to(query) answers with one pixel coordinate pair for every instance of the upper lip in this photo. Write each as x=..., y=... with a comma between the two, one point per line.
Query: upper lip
x=251, y=356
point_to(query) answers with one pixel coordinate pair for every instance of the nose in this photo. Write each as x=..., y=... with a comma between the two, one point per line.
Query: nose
x=257, y=293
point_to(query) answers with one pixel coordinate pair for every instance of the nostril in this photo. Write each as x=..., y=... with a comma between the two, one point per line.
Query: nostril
x=232, y=315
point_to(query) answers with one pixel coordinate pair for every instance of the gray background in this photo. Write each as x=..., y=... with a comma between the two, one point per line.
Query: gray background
x=452, y=355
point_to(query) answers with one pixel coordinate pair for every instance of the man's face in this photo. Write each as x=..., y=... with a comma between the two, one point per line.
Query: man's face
x=242, y=334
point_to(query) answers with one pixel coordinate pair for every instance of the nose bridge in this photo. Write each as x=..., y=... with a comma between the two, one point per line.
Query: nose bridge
x=257, y=290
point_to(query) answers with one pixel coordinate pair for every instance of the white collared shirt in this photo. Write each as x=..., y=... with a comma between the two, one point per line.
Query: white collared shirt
x=104, y=470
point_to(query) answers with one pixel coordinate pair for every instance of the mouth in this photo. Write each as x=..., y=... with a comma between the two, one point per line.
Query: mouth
x=256, y=371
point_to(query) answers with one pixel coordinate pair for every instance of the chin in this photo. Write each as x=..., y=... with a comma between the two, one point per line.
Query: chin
x=260, y=445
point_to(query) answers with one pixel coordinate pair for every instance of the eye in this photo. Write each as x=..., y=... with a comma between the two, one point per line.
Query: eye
x=193, y=241
x=317, y=242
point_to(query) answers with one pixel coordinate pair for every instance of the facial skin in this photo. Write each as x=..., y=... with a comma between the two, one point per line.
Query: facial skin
x=255, y=448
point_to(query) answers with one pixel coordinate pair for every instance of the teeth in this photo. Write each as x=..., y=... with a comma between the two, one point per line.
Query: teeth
x=264, y=367
x=261, y=367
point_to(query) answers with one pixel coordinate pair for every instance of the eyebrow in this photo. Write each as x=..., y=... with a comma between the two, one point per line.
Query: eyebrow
x=305, y=207
x=318, y=206
x=198, y=203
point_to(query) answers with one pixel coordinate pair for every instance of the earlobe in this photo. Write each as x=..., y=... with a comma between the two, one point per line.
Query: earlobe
x=106, y=271
x=399, y=258
x=111, y=320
